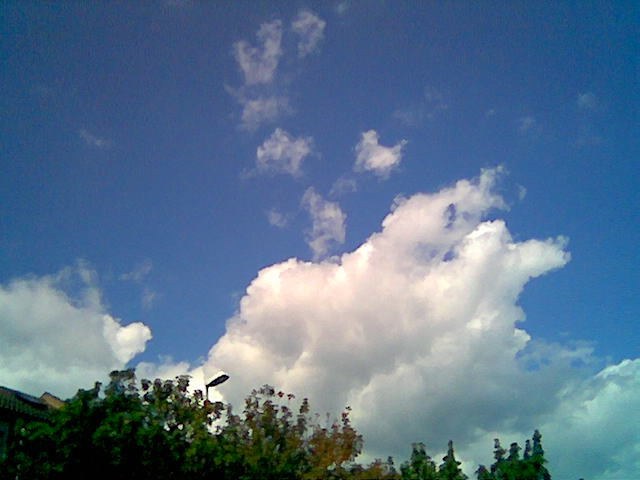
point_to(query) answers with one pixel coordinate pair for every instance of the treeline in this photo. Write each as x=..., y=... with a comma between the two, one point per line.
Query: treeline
x=160, y=431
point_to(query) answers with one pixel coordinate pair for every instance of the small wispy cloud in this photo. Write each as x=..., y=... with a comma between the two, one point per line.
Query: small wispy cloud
x=258, y=64
x=310, y=28
x=328, y=223
x=138, y=275
x=93, y=140
x=590, y=127
x=139, y=272
x=588, y=137
x=429, y=107
x=526, y=124
x=376, y=158
x=343, y=186
x=277, y=218
x=148, y=299
x=263, y=96
x=342, y=7
x=587, y=101
x=283, y=153
x=263, y=110
x=522, y=192
x=411, y=116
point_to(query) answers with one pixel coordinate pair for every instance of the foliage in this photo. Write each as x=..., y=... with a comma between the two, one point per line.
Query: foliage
x=158, y=430
x=529, y=467
x=377, y=470
x=450, y=468
x=123, y=434
x=268, y=441
x=161, y=431
x=420, y=466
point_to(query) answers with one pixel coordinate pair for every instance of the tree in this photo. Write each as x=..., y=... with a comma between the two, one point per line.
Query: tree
x=450, y=468
x=483, y=474
x=121, y=433
x=376, y=470
x=529, y=467
x=420, y=466
x=158, y=430
x=512, y=467
x=268, y=442
x=536, y=462
x=498, y=455
x=527, y=449
x=264, y=442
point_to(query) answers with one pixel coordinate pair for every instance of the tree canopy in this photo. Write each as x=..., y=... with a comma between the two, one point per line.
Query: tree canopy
x=159, y=430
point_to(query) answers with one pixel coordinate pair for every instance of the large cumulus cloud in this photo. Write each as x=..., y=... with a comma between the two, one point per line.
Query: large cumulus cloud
x=56, y=335
x=594, y=432
x=418, y=328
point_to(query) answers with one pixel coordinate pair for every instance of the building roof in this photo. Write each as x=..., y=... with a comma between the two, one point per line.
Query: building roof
x=52, y=401
x=24, y=404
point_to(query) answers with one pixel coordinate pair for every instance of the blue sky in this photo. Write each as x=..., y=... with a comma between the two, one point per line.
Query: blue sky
x=156, y=157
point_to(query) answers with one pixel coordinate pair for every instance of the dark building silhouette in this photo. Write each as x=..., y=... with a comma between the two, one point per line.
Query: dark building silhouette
x=15, y=404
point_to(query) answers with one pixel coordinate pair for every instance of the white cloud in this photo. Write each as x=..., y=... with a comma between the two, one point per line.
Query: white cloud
x=277, y=219
x=587, y=101
x=588, y=433
x=139, y=272
x=342, y=186
x=371, y=156
x=594, y=432
x=433, y=95
x=411, y=116
x=522, y=192
x=589, y=133
x=56, y=335
x=429, y=107
x=260, y=63
x=138, y=275
x=165, y=369
x=149, y=297
x=526, y=124
x=310, y=28
x=342, y=7
x=327, y=327
x=282, y=153
x=328, y=223
x=261, y=102
x=262, y=110
x=93, y=140
x=419, y=330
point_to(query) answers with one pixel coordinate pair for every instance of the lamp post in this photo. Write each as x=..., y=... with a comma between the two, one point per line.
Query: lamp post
x=220, y=378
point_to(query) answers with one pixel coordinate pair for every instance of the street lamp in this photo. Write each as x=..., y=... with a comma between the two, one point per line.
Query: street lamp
x=220, y=378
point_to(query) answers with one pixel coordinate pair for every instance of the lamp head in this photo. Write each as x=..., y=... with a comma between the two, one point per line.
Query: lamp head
x=222, y=377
